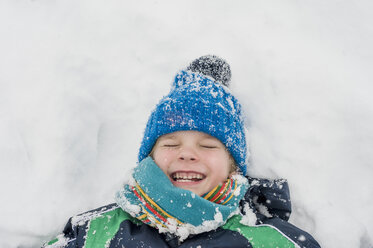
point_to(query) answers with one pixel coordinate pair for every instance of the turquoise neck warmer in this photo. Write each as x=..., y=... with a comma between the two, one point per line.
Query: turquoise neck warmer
x=152, y=198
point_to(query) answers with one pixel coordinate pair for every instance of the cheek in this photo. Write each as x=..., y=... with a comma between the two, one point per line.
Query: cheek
x=225, y=165
x=224, y=171
x=221, y=164
x=162, y=159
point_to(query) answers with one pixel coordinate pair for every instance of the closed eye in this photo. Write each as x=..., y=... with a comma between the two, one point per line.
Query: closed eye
x=170, y=145
x=209, y=146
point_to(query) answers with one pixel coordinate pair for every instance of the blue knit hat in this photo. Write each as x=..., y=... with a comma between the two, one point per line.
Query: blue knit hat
x=199, y=100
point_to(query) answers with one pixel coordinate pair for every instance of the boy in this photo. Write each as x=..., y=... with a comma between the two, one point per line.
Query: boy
x=189, y=188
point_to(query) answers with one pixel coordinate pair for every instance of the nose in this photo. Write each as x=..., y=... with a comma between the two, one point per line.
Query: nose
x=188, y=154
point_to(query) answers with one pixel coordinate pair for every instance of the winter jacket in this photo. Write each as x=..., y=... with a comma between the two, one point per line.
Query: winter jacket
x=268, y=200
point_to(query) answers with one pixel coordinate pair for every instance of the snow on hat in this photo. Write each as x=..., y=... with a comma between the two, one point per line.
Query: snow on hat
x=199, y=100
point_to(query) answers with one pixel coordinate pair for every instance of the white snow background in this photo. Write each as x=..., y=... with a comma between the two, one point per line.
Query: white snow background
x=78, y=80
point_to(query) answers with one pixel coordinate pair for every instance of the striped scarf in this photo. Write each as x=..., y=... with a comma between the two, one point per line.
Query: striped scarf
x=152, y=198
x=154, y=215
x=222, y=194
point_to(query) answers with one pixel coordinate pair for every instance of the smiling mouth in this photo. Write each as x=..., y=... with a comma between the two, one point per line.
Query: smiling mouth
x=185, y=177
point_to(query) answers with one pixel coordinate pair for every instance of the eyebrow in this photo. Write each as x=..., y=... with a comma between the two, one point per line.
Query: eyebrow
x=207, y=136
x=167, y=136
x=210, y=137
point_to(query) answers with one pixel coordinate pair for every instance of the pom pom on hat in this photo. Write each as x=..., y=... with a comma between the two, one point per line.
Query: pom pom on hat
x=199, y=101
x=213, y=66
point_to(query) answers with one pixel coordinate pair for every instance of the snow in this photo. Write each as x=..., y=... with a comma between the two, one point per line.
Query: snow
x=78, y=80
x=185, y=229
x=249, y=218
x=261, y=208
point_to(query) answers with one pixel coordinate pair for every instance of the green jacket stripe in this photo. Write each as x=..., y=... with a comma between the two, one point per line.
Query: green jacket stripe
x=259, y=236
x=104, y=227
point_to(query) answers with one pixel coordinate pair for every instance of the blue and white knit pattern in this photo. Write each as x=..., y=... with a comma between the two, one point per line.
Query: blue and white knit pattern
x=198, y=103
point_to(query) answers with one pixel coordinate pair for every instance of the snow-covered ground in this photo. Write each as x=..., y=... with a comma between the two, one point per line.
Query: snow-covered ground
x=78, y=80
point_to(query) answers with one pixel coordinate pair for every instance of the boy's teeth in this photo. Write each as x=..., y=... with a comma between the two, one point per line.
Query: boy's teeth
x=186, y=177
x=183, y=180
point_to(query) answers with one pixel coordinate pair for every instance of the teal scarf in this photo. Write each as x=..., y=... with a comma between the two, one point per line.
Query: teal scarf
x=152, y=198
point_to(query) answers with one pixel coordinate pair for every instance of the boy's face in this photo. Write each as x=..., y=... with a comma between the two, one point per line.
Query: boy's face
x=192, y=160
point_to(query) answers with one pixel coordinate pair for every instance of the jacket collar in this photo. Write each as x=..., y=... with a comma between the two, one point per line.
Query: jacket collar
x=268, y=198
